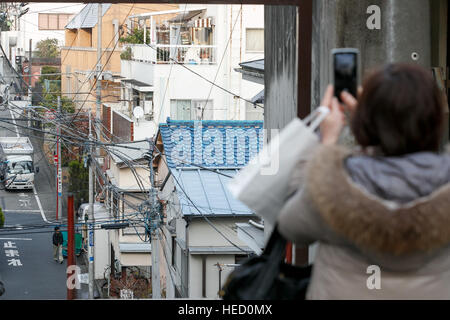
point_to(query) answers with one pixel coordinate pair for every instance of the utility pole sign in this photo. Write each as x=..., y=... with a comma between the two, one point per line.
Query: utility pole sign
x=59, y=181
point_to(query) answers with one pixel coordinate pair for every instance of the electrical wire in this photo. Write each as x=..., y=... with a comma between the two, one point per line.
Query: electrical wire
x=221, y=60
x=109, y=58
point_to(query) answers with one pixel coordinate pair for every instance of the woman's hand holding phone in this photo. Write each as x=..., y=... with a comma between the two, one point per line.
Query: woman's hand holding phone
x=331, y=127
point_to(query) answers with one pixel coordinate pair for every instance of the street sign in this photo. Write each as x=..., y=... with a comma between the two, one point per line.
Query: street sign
x=91, y=238
x=59, y=182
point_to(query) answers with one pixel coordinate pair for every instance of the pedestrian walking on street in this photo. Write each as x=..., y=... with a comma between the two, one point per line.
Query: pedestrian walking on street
x=378, y=213
x=57, y=245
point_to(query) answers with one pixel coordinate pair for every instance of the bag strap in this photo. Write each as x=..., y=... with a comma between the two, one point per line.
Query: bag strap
x=316, y=117
x=275, y=244
x=275, y=252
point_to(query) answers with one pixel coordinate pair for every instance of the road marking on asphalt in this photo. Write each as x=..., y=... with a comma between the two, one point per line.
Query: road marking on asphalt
x=34, y=189
x=25, y=239
x=21, y=211
x=39, y=204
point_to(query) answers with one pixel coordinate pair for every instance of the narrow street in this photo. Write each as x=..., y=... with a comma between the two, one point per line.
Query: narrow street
x=26, y=263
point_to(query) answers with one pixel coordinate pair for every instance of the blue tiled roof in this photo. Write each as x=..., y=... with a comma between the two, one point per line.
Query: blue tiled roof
x=212, y=144
x=207, y=190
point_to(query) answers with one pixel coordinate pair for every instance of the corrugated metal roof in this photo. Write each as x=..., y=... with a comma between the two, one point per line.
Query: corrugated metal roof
x=136, y=82
x=123, y=153
x=135, y=247
x=87, y=17
x=218, y=250
x=259, y=98
x=255, y=65
x=212, y=144
x=185, y=16
x=252, y=236
x=207, y=190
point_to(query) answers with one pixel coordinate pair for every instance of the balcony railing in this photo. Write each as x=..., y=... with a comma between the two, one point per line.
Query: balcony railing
x=165, y=54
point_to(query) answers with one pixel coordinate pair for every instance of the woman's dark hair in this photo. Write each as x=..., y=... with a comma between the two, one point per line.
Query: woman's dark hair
x=400, y=111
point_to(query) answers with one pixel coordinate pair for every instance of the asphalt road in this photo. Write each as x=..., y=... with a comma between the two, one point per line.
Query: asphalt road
x=27, y=267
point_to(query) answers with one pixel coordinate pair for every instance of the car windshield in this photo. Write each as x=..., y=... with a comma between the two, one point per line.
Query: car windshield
x=20, y=167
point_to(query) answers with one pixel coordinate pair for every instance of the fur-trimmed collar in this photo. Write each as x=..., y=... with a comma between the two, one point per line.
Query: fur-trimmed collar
x=368, y=221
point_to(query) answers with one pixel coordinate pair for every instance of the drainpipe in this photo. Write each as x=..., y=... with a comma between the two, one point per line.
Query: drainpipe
x=187, y=259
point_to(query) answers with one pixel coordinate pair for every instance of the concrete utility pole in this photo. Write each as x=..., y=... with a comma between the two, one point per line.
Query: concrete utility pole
x=99, y=74
x=59, y=170
x=91, y=213
x=93, y=157
x=29, y=81
x=154, y=227
x=156, y=286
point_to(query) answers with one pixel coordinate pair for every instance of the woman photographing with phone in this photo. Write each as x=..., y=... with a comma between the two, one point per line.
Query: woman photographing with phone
x=381, y=214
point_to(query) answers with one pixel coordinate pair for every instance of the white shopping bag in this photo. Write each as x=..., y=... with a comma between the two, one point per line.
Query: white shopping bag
x=263, y=184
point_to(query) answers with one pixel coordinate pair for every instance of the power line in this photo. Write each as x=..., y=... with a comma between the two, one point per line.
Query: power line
x=171, y=66
x=200, y=212
x=209, y=81
x=99, y=60
x=221, y=60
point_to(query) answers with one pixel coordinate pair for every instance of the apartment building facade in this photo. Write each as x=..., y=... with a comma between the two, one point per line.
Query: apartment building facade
x=79, y=55
x=185, y=67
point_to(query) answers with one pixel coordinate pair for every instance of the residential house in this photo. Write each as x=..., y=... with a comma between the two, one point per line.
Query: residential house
x=252, y=233
x=194, y=162
x=165, y=76
x=80, y=51
x=253, y=71
x=29, y=24
x=126, y=189
x=40, y=21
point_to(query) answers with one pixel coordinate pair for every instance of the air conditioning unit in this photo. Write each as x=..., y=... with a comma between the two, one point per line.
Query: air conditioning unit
x=100, y=160
x=148, y=107
x=107, y=75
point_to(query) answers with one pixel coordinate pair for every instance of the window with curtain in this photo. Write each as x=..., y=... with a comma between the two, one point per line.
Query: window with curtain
x=191, y=109
x=254, y=40
x=53, y=21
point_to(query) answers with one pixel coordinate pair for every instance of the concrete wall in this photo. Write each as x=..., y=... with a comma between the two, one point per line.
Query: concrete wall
x=201, y=234
x=280, y=69
x=211, y=277
x=405, y=29
x=101, y=252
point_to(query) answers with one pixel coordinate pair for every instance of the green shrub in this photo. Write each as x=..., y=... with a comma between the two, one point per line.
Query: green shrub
x=79, y=182
x=2, y=218
x=126, y=54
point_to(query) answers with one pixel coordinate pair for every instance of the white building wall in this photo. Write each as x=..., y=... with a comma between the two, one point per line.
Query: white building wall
x=212, y=275
x=201, y=234
x=29, y=24
x=172, y=81
x=101, y=249
x=28, y=27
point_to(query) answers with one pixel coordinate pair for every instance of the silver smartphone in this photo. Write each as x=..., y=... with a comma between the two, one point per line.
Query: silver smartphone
x=345, y=70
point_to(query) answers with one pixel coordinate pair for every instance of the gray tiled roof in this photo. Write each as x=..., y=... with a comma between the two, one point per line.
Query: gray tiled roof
x=87, y=17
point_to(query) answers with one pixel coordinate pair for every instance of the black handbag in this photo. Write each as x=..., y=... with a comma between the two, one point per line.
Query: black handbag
x=268, y=277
